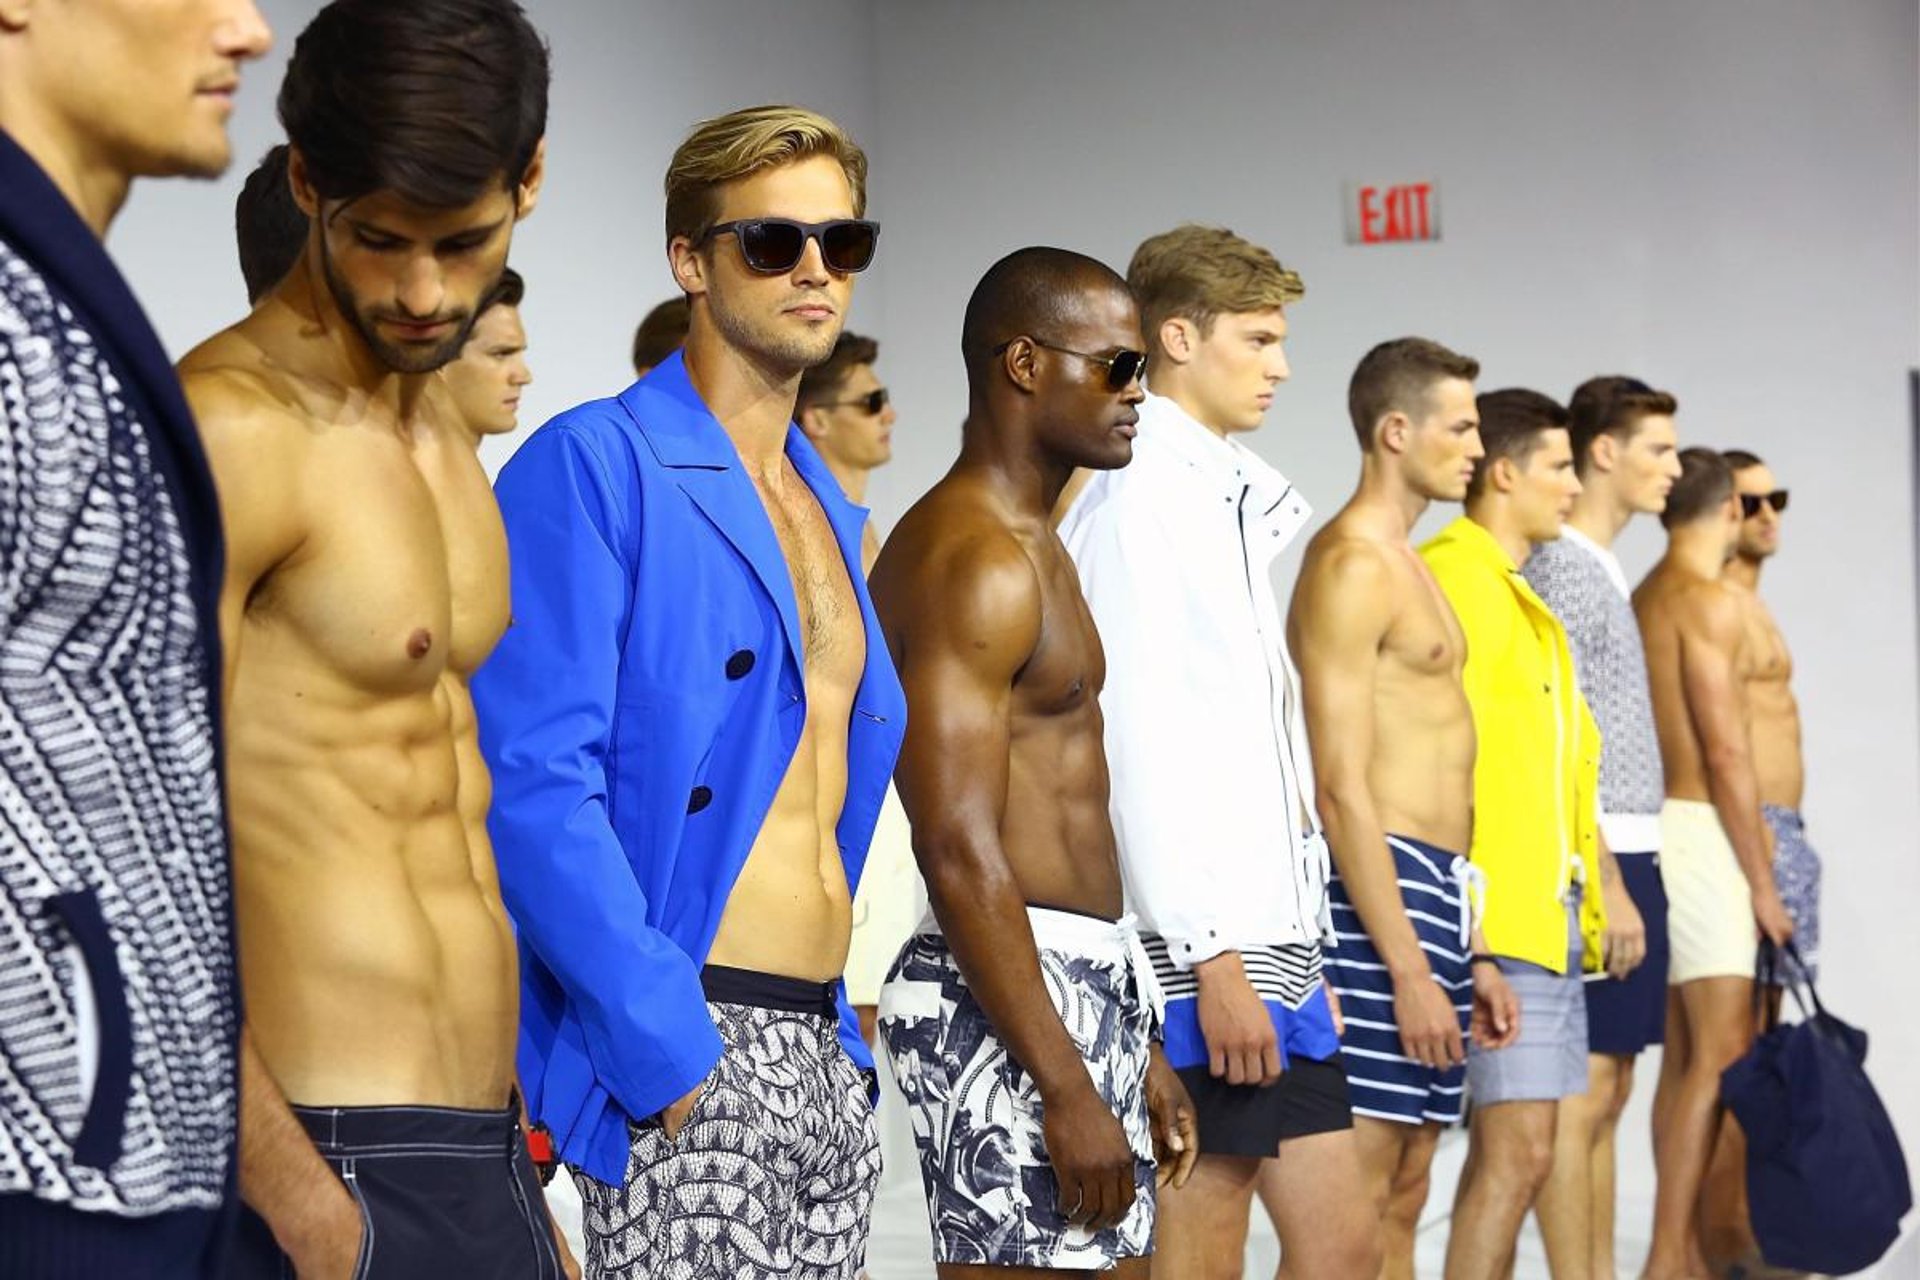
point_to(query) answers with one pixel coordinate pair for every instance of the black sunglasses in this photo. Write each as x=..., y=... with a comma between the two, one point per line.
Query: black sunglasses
x=1750, y=502
x=872, y=402
x=1123, y=367
x=773, y=245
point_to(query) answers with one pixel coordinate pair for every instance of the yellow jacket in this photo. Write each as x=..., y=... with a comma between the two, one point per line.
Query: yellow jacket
x=1536, y=779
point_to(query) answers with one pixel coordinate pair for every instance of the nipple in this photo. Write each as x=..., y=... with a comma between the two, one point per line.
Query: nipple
x=419, y=644
x=1439, y=652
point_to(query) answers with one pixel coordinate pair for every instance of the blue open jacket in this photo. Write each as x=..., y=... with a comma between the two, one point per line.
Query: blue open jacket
x=638, y=717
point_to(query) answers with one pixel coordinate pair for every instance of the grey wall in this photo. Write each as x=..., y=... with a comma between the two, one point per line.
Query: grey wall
x=1718, y=196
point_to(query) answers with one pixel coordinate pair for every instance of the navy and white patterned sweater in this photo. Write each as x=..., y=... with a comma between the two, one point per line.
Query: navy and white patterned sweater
x=118, y=1005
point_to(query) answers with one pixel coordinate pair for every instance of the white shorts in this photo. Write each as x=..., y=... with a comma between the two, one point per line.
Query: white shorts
x=1709, y=903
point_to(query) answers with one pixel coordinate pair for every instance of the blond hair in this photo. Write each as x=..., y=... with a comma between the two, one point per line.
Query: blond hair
x=1198, y=273
x=742, y=143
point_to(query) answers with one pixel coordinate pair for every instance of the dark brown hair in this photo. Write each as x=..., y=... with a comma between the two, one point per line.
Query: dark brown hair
x=1740, y=460
x=507, y=291
x=660, y=334
x=1512, y=421
x=850, y=351
x=437, y=101
x=269, y=225
x=1706, y=481
x=1397, y=375
x=1612, y=405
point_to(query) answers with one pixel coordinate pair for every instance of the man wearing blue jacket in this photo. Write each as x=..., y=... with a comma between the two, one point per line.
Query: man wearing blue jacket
x=690, y=726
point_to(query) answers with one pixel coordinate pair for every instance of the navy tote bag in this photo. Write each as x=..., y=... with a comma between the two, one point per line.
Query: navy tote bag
x=1826, y=1181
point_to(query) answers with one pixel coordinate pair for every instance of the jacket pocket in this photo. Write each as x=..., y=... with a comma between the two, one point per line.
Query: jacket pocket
x=103, y=1128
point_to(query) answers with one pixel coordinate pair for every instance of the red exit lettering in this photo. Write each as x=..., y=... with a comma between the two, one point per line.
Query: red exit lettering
x=1385, y=215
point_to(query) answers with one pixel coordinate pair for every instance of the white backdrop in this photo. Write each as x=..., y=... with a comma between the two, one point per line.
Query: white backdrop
x=1719, y=197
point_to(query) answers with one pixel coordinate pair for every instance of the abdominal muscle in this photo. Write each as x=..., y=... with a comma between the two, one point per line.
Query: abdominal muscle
x=791, y=910
x=377, y=964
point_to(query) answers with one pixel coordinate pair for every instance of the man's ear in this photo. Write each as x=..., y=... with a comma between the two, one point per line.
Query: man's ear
x=1178, y=338
x=1021, y=360
x=813, y=423
x=527, y=194
x=1604, y=452
x=689, y=268
x=1502, y=474
x=1392, y=431
x=299, y=182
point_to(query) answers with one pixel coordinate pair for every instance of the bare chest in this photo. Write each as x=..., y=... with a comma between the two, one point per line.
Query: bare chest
x=1425, y=638
x=1069, y=665
x=832, y=631
x=403, y=573
x=1767, y=655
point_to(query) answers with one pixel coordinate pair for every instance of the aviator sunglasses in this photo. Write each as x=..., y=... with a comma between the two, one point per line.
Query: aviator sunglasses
x=1123, y=367
x=1750, y=502
x=775, y=245
x=871, y=403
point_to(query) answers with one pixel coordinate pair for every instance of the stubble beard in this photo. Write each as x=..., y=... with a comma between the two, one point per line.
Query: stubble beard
x=397, y=357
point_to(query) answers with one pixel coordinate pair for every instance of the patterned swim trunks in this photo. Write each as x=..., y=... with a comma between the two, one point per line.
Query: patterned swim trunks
x=1796, y=872
x=773, y=1173
x=977, y=1118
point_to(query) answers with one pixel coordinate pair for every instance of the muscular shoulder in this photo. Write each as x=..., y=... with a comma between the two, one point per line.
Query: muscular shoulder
x=1711, y=610
x=948, y=567
x=1347, y=587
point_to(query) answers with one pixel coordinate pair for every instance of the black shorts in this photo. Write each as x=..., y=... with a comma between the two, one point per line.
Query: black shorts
x=1248, y=1120
x=442, y=1192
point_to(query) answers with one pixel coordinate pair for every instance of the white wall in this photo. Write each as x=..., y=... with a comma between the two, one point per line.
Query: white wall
x=1719, y=197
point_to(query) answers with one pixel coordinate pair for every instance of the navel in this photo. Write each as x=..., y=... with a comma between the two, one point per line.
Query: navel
x=420, y=644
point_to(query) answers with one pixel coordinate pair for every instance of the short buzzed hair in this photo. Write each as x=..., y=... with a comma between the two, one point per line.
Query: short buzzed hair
x=1705, y=483
x=743, y=143
x=1512, y=421
x=850, y=351
x=1612, y=405
x=660, y=334
x=1740, y=460
x=1398, y=375
x=269, y=225
x=1035, y=292
x=1200, y=273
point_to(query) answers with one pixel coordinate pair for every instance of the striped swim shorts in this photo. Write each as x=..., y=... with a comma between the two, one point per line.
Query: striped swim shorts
x=1384, y=1083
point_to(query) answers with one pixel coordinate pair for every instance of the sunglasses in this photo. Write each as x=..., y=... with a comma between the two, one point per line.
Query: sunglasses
x=1750, y=502
x=871, y=403
x=1123, y=367
x=775, y=245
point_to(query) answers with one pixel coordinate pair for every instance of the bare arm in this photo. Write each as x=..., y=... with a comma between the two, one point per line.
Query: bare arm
x=1342, y=609
x=1711, y=639
x=1339, y=619
x=255, y=466
x=961, y=630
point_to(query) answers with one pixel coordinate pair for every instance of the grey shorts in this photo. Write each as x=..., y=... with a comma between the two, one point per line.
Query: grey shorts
x=1549, y=1059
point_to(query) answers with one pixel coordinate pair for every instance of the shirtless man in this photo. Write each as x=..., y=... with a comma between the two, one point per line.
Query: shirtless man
x=1381, y=657
x=1021, y=1019
x=366, y=582
x=1780, y=774
x=1713, y=844
x=691, y=726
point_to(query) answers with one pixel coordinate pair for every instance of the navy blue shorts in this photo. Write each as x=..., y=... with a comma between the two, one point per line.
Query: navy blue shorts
x=1625, y=1017
x=1384, y=1083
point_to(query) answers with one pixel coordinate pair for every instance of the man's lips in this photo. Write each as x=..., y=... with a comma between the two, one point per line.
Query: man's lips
x=812, y=311
x=418, y=331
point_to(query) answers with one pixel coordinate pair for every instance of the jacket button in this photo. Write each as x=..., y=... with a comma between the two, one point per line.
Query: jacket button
x=739, y=664
x=699, y=799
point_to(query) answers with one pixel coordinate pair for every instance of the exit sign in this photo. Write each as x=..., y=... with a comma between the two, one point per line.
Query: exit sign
x=1393, y=214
